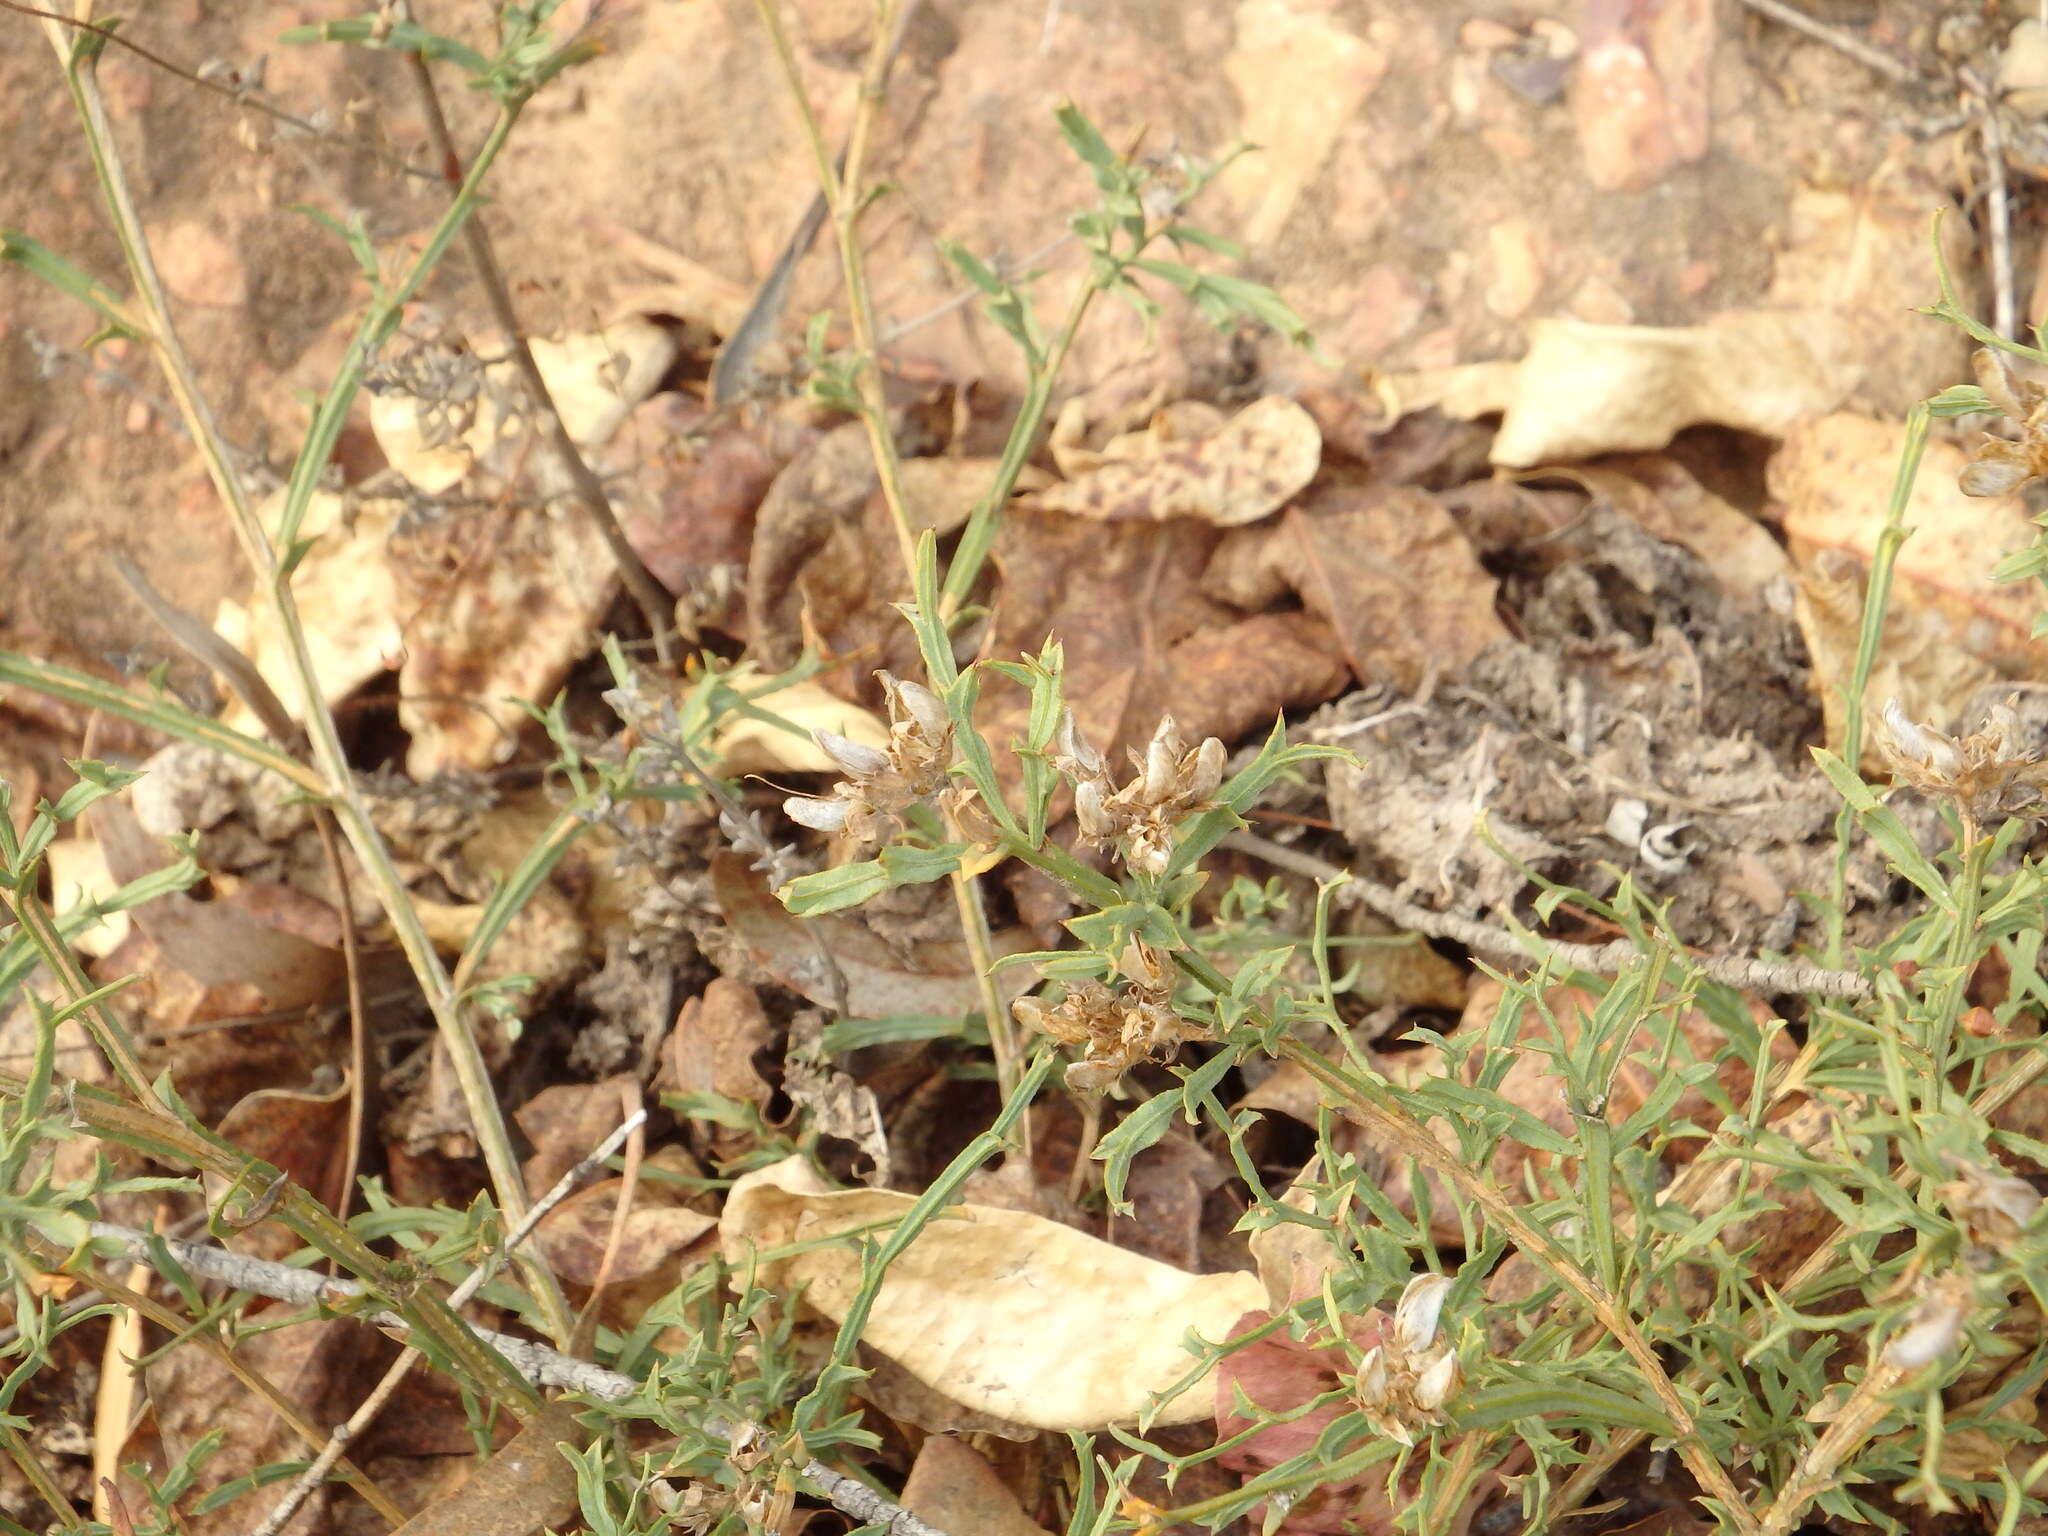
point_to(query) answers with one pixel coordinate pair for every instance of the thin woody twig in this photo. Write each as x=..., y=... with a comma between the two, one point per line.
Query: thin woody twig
x=1739, y=971
x=1998, y=204
x=622, y=1210
x=241, y=96
x=1842, y=42
x=210, y=650
x=538, y=1363
x=654, y=603
x=343, y=1435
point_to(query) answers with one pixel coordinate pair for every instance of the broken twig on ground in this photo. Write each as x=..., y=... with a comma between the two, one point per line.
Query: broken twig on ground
x=1842, y=42
x=345, y=1434
x=1740, y=971
x=536, y=1362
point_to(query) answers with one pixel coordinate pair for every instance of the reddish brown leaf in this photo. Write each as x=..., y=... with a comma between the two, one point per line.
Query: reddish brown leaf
x=1388, y=570
x=951, y=1486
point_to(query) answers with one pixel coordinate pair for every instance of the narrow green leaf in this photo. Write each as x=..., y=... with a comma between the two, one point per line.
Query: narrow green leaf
x=376, y=30
x=1961, y=400
x=1148, y=1122
x=40, y=261
x=832, y=890
x=1588, y=1403
x=856, y=1034
x=1886, y=830
x=1087, y=142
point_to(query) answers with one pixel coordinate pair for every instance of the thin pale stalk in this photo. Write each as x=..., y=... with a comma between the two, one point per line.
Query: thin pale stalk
x=1845, y=1435
x=1002, y=1037
x=843, y=190
x=465, y=1056
x=978, y=537
x=655, y=606
x=24, y=1456
x=114, y=1119
x=1877, y=591
x=1457, y=1481
x=106, y=1031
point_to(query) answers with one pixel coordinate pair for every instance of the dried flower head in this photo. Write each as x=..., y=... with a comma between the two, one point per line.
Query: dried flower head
x=1172, y=783
x=1404, y=1381
x=1986, y=774
x=1999, y=466
x=880, y=784
x=1936, y=1326
x=1989, y=1204
x=1115, y=1029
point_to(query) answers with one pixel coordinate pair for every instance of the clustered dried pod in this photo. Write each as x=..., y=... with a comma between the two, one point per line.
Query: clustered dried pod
x=1115, y=1029
x=1935, y=1329
x=1991, y=1206
x=868, y=804
x=1986, y=774
x=1403, y=1382
x=1172, y=783
x=1997, y=465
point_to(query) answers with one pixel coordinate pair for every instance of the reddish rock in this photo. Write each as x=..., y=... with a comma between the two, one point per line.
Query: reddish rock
x=199, y=265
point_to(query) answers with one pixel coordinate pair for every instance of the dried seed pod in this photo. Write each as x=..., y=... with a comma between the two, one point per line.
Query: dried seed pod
x=1986, y=774
x=1372, y=1384
x=1417, y=1312
x=1991, y=1206
x=1997, y=466
x=1206, y=777
x=853, y=758
x=1146, y=967
x=1936, y=1327
x=918, y=704
x=1438, y=1383
x=818, y=815
x=1072, y=754
x=1162, y=763
x=1091, y=812
x=1917, y=743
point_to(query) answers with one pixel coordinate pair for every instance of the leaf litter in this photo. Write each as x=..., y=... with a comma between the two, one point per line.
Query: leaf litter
x=1590, y=645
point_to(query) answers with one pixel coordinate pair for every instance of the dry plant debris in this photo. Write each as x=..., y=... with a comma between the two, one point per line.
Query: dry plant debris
x=1569, y=562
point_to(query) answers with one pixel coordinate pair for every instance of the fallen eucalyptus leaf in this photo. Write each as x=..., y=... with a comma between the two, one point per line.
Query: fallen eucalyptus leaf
x=1004, y=1312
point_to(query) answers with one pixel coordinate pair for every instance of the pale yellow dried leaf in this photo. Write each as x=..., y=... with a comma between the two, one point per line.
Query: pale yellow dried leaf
x=744, y=744
x=78, y=877
x=1590, y=389
x=346, y=599
x=1247, y=469
x=1004, y=1312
